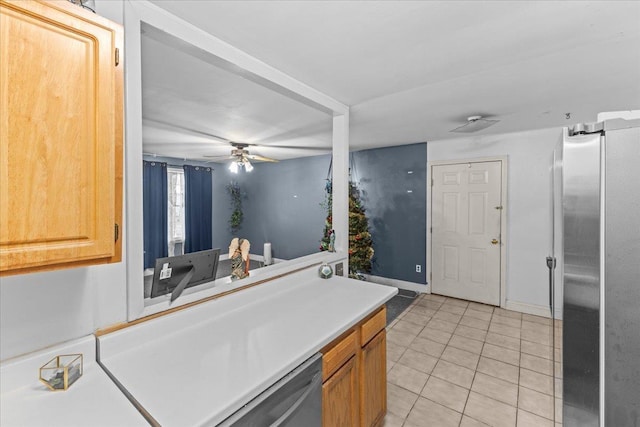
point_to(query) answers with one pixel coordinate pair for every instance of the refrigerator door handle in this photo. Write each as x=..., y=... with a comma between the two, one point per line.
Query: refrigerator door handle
x=551, y=265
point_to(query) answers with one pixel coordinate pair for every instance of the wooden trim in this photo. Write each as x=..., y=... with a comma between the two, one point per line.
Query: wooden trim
x=123, y=325
x=57, y=266
x=118, y=144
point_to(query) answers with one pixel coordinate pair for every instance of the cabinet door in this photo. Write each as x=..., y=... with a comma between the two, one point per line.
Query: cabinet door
x=340, y=397
x=60, y=136
x=373, y=381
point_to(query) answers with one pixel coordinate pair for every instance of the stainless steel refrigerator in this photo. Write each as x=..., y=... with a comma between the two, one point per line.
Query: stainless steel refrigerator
x=595, y=274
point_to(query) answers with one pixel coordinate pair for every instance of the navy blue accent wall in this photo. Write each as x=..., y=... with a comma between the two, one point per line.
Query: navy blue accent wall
x=393, y=188
x=283, y=206
x=221, y=211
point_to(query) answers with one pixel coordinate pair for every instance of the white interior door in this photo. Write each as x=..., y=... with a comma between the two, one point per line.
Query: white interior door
x=466, y=215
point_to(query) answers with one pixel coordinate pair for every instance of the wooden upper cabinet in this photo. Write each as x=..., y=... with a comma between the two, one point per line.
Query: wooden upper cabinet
x=61, y=132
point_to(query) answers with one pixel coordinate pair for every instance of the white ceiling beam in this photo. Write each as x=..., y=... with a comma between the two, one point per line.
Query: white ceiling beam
x=217, y=52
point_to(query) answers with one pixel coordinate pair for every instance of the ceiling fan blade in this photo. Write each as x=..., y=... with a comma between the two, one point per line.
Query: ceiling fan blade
x=292, y=147
x=260, y=158
x=219, y=139
x=174, y=127
x=208, y=156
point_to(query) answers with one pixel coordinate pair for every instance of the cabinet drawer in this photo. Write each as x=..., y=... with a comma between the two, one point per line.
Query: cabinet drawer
x=337, y=355
x=372, y=326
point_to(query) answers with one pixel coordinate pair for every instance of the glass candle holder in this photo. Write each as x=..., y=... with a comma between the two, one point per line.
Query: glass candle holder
x=61, y=371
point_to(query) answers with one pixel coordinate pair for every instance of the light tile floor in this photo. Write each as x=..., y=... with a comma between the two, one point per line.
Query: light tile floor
x=457, y=363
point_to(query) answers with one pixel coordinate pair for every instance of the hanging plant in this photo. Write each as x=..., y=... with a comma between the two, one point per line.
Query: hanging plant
x=235, y=193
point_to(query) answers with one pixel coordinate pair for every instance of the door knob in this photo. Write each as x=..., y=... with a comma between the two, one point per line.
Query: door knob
x=494, y=242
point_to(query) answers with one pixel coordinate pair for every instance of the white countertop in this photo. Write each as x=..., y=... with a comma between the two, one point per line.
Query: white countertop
x=199, y=365
x=93, y=400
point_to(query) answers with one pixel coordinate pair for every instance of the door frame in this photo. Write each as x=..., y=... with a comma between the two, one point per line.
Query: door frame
x=503, y=220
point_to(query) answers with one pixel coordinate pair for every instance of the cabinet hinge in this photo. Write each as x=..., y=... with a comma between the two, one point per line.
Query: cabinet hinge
x=432, y=182
x=430, y=276
x=117, y=57
x=431, y=230
x=116, y=232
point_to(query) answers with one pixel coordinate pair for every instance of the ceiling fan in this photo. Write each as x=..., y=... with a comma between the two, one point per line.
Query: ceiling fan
x=239, y=154
x=241, y=157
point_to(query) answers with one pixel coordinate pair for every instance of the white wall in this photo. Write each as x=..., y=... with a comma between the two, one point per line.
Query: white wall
x=42, y=309
x=528, y=207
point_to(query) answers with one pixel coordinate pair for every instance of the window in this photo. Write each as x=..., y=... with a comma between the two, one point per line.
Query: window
x=175, y=218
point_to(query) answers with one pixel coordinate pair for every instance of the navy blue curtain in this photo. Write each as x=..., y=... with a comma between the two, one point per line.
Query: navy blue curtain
x=198, y=195
x=155, y=207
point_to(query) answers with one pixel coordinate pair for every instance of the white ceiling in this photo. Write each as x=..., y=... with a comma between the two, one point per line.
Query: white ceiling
x=410, y=70
x=192, y=108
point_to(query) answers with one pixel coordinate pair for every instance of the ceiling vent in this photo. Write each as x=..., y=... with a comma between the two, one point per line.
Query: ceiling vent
x=474, y=124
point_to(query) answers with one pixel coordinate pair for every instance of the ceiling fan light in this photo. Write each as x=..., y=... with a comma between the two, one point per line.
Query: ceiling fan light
x=233, y=167
x=248, y=166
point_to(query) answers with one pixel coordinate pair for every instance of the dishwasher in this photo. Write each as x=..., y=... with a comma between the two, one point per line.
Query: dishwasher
x=294, y=401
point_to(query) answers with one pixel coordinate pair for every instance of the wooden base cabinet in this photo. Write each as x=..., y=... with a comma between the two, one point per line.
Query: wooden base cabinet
x=61, y=136
x=340, y=403
x=354, y=391
x=373, y=380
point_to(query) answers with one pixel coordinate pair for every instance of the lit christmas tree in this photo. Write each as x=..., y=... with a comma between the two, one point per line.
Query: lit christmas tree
x=360, y=243
x=325, y=242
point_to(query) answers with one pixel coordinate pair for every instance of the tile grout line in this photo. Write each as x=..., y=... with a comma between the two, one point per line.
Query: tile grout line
x=519, y=368
x=418, y=394
x=439, y=358
x=474, y=372
x=474, y=375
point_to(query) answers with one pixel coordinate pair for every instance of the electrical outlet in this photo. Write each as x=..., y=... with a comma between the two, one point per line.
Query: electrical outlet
x=339, y=269
x=418, y=268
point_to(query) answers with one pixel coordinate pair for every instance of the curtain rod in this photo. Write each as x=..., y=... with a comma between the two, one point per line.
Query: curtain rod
x=178, y=166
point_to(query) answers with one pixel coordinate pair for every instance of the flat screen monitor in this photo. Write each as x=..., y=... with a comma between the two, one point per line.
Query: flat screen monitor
x=176, y=273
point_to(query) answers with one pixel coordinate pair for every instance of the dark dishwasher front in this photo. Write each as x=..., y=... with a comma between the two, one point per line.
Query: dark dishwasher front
x=293, y=401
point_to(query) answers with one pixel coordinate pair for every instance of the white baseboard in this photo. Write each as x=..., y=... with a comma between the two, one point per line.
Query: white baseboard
x=400, y=284
x=536, y=310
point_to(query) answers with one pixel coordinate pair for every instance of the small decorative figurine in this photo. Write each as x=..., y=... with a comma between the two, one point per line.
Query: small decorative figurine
x=239, y=256
x=332, y=241
x=325, y=271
